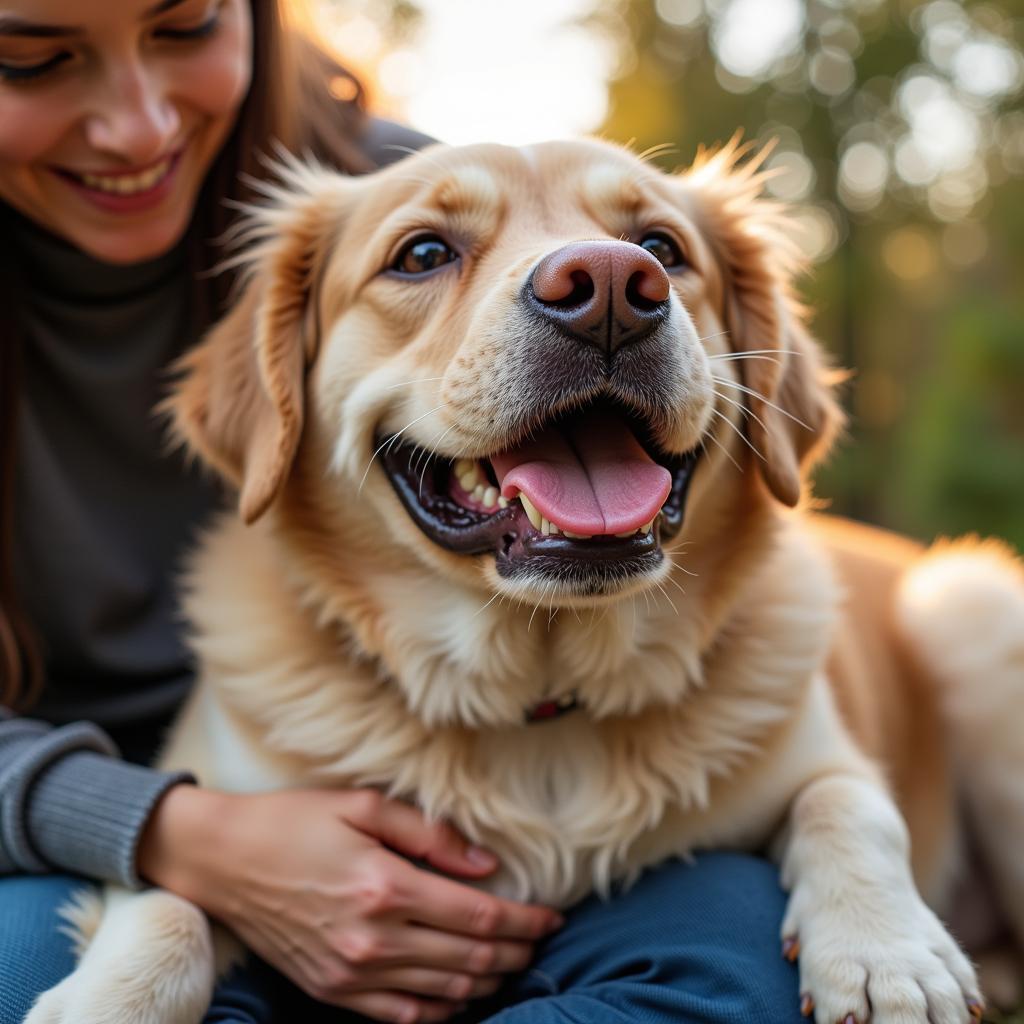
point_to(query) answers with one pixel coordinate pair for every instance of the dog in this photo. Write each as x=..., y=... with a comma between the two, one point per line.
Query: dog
x=521, y=439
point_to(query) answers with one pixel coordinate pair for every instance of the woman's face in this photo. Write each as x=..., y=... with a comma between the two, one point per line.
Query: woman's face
x=112, y=111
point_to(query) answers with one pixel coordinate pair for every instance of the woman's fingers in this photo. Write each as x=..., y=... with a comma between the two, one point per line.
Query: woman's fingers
x=448, y=986
x=405, y=829
x=397, y=1007
x=447, y=905
x=462, y=954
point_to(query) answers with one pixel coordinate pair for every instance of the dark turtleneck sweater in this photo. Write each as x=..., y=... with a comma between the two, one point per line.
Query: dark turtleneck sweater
x=105, y=512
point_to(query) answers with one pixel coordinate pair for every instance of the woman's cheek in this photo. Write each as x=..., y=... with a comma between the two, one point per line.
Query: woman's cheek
x=31, y=127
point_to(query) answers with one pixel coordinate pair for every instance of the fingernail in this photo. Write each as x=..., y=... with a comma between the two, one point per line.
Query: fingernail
x=481, y=857
x=806, y=1004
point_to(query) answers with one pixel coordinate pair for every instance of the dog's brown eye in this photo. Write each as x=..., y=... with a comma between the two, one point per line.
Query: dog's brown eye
x=423, y=254
x=663, y=249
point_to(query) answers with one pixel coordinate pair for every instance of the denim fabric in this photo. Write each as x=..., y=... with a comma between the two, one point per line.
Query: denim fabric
x=688, y=944
x=35, y=956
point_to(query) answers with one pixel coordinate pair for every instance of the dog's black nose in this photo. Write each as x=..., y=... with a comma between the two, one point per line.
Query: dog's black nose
x=605, y=294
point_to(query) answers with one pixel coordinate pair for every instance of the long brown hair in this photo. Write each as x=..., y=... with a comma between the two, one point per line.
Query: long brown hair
x=300, y=97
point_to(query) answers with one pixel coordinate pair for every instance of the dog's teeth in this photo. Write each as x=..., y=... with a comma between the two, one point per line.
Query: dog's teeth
x=628, y=533
x=502, y=502
x=468, y=481
x=531, y=511
x=478, y=492
x=464, y=466
x=553, y=529
x=647, y=527
x=578, y=536
x=490, y=498
x=545, y=526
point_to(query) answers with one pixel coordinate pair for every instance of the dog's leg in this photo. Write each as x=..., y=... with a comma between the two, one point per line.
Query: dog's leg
x=869, y=948
x=962, y=608
x=150, y=961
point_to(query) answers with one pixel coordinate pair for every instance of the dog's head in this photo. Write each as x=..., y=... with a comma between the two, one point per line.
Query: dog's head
x=524, y=361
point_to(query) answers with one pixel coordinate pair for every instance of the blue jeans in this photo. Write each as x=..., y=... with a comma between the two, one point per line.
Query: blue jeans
x=688, y=944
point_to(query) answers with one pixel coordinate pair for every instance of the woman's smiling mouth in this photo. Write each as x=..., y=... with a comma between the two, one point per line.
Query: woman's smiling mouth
x=125, y=191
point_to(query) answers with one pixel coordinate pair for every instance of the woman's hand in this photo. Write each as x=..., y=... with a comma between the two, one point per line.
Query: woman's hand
x=308, y=880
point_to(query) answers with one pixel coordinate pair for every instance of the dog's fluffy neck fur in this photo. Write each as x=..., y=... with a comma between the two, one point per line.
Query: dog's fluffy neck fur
x=446, y=710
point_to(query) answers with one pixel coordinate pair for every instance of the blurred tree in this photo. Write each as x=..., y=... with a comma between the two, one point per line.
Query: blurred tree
x=900, y=128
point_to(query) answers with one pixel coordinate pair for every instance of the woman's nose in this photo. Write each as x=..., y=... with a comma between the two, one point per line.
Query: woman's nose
x=133, y=119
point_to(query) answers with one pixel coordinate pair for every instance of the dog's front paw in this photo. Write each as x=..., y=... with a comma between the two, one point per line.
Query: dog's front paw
x=891, y=965
x=150, y=961
x=91, y=996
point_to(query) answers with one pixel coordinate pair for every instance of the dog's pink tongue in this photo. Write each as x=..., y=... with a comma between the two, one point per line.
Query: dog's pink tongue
x=590, y=478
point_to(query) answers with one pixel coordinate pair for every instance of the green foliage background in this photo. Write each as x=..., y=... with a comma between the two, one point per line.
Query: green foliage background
x=936, y=438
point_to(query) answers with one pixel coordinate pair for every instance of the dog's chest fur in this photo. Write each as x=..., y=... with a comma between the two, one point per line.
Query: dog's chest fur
x=569, y=805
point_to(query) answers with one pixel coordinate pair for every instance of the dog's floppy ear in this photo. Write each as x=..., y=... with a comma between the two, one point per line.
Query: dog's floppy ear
x=239, y=404
x=793, y=416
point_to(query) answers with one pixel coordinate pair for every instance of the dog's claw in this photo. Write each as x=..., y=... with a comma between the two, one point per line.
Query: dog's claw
x=850, y=1019
x=806, y=1004
x=791, y=948
x=976, y=1009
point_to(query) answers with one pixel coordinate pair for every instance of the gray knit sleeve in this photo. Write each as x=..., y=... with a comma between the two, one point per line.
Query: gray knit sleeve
x=67, y=803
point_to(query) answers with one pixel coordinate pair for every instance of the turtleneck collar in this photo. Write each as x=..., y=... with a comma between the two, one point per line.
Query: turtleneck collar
x=54, y=267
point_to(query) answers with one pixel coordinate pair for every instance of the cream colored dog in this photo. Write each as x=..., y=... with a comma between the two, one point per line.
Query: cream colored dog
x=519, y=437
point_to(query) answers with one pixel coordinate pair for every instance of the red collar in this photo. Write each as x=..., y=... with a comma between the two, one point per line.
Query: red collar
x=549, y=709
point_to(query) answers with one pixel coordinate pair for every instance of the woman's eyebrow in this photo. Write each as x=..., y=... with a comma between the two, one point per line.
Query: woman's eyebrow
x=12, y=26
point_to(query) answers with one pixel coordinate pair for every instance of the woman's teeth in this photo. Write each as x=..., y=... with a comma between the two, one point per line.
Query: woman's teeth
x=127, y=184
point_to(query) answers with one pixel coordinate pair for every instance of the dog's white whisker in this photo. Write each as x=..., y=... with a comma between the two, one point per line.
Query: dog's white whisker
x=739, y=433
x=529, y=624
x=725, y=451
x=664, y=593
x=748, y=353
x=409, y=383
x=681, y=568
x=426, y=462
x=749, y=412
x=711, y=337
x=757, y=394
x=391, y=440
x=498, y=596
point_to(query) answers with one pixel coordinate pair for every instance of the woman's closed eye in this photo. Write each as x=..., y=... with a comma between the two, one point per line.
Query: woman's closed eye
x=17, y=71
x=188, y=33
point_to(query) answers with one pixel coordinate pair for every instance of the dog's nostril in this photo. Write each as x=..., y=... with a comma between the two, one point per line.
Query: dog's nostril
x=582, y=289
x=565, y=290
x=644, y=294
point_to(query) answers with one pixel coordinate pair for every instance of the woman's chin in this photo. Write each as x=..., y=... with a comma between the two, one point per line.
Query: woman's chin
x=128, y=244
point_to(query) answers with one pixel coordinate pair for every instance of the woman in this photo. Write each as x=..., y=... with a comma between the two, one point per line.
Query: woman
x=123, y=128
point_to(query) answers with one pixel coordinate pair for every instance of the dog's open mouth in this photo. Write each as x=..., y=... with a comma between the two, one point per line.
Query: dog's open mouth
x=590, y=489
